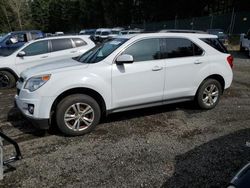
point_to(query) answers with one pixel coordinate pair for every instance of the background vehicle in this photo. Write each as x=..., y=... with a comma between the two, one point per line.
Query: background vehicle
x=116, y=31
x=245, y=42
x=128, y=32
x=90, y=32
x=102, y=34
x=116, y=75
x=38, y=52
x=220, y=34
x=14, y=40
x=59, y=33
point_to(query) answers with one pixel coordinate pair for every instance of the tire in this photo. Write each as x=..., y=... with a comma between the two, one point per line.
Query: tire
x=70, y=116
x=208, y=94
x=7, y=80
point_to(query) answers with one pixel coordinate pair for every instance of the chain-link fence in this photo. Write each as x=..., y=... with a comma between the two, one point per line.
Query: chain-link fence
x=233, y=23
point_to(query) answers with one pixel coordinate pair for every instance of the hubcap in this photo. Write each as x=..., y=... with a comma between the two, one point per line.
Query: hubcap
x=79, y=116
x=210, y=95
x=4, y=80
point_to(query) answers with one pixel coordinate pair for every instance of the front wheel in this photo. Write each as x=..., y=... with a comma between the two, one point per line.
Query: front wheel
x=208, y=94
x=77, y=114
x=7, y=80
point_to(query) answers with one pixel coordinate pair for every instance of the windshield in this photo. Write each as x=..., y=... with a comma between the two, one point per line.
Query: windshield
x=105, y=33
x=3, y=37
x=98, y=33
x=99, y=53
x=115, y=32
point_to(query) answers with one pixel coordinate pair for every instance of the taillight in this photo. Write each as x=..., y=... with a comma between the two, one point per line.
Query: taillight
x=230, y=60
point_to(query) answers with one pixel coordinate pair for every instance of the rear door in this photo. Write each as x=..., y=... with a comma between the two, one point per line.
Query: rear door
x=184, y=60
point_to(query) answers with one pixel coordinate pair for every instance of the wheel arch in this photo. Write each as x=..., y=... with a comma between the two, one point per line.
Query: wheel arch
x=217, y=77
x=80, y=90
x=10, y=71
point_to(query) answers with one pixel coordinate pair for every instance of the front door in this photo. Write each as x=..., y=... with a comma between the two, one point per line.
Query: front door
x=141, y=82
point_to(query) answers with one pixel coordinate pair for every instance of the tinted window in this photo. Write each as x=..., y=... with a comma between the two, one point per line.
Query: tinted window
x=61, y=44
x=79, y=42
x=178, y=47
x=36, y=35
x=37, y=48
x=145, y=50
x=105, y=33
x=215, y=43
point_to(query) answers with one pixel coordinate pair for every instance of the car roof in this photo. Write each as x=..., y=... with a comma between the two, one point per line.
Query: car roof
x=25, y=31
x=181, y=31
x=141, y=35
x=62, y=37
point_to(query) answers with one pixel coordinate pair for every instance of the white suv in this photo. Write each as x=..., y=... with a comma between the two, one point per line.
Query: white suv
x=38, y=52
x=129, y=72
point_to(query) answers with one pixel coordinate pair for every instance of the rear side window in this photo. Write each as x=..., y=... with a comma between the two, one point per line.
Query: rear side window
x=215, y=43
x=145, y=50
x=37, y=48
x=79, y=42
x=61, y=44
x=179, y=47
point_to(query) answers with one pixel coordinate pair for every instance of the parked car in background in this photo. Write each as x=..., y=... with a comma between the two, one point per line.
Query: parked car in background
x=129, y=32
x=59, y=33
x=241, y=179
x=116, y=31
x=128, y=72
x=14, y=40
x=90, y=32
x=245, y=42
x=223, y=37
x=102, y=34
x=39, y=52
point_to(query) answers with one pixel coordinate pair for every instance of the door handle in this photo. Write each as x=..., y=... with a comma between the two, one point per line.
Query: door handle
x=43, y=57
x=198, y=62
x=157, y=68
x=73, y=52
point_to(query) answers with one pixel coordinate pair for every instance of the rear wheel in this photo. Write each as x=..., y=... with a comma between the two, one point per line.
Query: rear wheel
x=208, y=94
x=77, y=114
x=7, y=80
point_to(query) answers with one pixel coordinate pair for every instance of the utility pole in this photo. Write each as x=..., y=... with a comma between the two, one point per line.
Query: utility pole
x=175, y=22
x=232, y=23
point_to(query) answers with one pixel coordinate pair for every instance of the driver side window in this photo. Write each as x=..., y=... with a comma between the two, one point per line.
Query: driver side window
x=145, y=50
x=37, y=48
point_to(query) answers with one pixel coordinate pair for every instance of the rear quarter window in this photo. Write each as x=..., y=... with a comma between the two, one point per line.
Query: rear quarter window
x=79, y=42
x=216, y=44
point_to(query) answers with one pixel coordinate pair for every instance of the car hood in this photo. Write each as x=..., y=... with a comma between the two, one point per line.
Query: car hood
x=52, y=67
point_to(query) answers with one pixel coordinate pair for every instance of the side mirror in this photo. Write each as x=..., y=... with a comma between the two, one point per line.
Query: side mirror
x=21, y=54
x=124, y=58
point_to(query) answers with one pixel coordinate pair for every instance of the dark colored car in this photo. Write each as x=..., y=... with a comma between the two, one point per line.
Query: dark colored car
x=222, y=36
x=14, y=40
x=242, y=178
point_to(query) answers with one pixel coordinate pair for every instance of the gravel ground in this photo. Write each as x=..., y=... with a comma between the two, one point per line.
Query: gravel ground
x=170, y=146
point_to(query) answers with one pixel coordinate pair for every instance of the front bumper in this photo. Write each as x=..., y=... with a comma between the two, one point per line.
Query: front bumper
x=40, y=115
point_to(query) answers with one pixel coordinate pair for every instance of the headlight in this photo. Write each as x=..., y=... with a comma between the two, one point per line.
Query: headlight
x=36, y=82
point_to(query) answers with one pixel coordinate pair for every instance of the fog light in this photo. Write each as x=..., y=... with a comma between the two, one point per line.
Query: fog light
x=31, y=108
